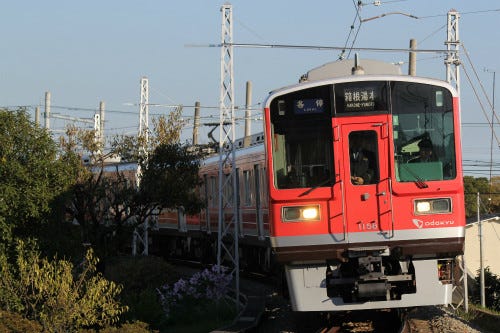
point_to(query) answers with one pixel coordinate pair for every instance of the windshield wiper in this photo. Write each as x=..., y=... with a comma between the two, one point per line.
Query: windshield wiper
x=323, y=183
x=418, y=180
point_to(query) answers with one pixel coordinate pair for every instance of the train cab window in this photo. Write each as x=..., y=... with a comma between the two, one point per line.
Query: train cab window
x=363, y=157
x=423, y=132
x=302, y=138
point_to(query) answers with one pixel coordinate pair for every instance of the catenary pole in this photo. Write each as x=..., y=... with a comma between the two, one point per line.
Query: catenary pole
x=228, y=224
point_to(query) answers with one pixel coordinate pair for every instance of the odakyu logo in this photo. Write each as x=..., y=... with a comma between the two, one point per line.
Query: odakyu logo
x=420, y=224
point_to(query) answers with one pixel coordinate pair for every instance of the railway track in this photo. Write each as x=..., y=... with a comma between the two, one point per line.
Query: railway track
x=363, y=322
x=272, y=313
x=265, y=302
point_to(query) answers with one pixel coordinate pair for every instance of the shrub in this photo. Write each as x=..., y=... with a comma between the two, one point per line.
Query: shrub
x=135, y=327
x=492, y=289
x=48, y=292
x=11, y=322
x=137, y=273
x=140, y=276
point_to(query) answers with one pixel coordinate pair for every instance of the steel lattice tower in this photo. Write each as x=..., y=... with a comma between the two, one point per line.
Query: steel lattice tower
x=143, y=134
x=452, y=44
x=228, y=225
x=144, y=112
x=452, y=63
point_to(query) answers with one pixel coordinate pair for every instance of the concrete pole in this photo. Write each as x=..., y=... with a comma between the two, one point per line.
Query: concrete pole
x=37, y=116
x=481, y=266
x=102, y=107
x=47, y=110
x=196, y=124
x=412, y=61
x=466, y=285
x=248, y=115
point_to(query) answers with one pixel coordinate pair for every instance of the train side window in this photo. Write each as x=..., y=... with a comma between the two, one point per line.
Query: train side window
x=228, y=187
x=204, y=190
x=263, y=185
x=247, y=191
x=214, y=195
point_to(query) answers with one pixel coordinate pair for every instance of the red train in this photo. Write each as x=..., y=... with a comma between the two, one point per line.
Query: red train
x=355, y=187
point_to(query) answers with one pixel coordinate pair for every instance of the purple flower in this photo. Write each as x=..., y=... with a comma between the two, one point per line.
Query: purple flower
x=210, y=285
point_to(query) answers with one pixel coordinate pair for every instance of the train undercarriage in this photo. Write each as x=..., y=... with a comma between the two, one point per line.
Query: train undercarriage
x=369, y=279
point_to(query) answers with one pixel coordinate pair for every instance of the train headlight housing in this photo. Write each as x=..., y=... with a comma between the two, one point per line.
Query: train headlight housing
x=432, y=206
x=300, y=213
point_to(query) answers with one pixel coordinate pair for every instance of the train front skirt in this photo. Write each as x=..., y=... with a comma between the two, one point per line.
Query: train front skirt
x=311, y=290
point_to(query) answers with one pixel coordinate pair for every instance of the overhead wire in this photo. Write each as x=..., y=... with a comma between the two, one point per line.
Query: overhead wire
x=480, y=83
x=477, y=96
x=356, y=17
x=462, y=13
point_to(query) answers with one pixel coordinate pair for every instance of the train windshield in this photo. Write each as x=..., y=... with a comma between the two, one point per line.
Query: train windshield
x=424, y=140
x=302, y=139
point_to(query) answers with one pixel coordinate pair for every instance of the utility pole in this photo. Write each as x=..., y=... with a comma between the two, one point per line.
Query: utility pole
x=248, y=116
x=102, y=107
x=228, y=224
x=47, y=110
x=412, y=63
x=491, y=141
x=37, y=116
x=492, y=134
x=481, y=252
x=196, y=124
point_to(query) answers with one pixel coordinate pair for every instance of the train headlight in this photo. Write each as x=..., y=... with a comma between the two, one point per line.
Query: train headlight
x=422, y=207
x=300, y=213
x=432, y=206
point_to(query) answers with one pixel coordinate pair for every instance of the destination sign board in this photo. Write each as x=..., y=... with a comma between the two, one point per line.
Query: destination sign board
x=309, y=106
x=359, y=99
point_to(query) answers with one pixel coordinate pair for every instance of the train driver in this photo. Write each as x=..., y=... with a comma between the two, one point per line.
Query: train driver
x=425, y=153
x=362, y=160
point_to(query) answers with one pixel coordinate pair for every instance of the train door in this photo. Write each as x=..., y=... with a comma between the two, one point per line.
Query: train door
x=366, y=186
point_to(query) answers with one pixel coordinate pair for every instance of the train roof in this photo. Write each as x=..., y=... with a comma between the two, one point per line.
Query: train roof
x=258, y=147
x=350, y=71
x=345, y=68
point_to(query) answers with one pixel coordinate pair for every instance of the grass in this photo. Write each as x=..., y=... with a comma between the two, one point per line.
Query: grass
x=485, y=319
x=140, y=277
x=202, y=318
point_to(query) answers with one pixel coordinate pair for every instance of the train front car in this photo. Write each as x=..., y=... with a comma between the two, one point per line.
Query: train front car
x=366, y=191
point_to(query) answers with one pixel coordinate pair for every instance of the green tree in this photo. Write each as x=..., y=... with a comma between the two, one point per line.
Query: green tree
x=167, y=129
x=170, y=177
x=32, y=174
x=494, y=203
x=472, y=186
x=108, y=205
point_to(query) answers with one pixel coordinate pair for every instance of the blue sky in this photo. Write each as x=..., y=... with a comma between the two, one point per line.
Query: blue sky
x=90, y=51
